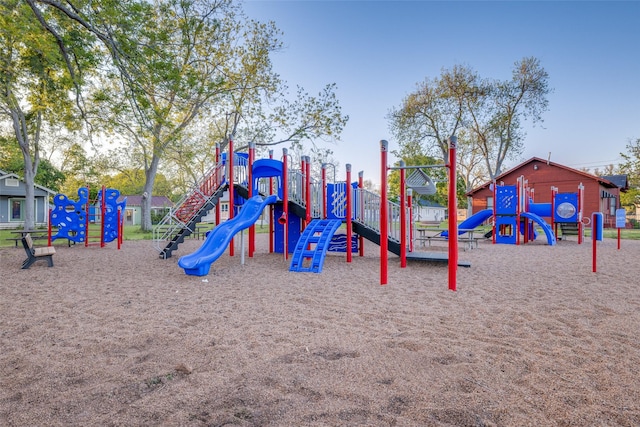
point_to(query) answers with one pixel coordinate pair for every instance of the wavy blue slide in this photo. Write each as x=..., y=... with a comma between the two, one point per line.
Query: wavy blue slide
x=472, y=222
x=199, y=262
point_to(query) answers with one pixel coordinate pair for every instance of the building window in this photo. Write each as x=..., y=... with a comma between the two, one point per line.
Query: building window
x=490, y=202
x=224, y=207
x=17, y=209
x=11, y=182
x=612, y=206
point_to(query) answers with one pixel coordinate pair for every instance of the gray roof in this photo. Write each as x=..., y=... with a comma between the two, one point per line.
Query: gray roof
x=621, y=181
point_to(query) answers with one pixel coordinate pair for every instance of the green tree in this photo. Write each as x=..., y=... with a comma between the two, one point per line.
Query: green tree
x=631, y=167
x=486, y=114
x=498, y=113
x=175, y=61
x=11, y=160
x=35, y=81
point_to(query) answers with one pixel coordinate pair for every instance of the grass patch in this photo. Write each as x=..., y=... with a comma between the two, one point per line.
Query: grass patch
x=134, y=232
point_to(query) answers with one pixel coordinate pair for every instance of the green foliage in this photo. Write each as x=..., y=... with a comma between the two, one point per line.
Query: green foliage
x=11, y=160
x=490, y=112
x=631, y=167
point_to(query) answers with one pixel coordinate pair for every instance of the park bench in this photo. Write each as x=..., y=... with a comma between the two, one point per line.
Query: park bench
x=34, y=254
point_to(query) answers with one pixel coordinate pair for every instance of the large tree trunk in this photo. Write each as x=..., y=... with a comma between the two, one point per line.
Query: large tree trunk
x=29, y=201
x=150, y=177
x=30, y=164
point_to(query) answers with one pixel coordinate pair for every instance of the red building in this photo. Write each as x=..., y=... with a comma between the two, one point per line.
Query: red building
x=600, y=194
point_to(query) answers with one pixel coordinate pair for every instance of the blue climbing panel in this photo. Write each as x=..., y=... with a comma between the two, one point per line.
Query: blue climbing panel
x=312, y=245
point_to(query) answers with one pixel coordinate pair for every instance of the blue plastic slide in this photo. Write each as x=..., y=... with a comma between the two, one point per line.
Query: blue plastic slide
x=472, y=222
x=551, y=238
x=199, y=262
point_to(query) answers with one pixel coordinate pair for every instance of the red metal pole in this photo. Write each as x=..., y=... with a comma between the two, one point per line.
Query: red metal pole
x=86, y=211
x=230, y=162
x=252, y=228
x=217, y=166
x=49, y=229
x=271, y=218
x=410, y=207
x=594, y=242
x=285, y=202
x=495, y=216
x=518, y=197
x=403, y=216
x=103, y=211
x=361, y=206
x=324, y=191
x=554, y=227
x=384, y=147
x=348, y=214
x=119, y=215
x=453, y=214
x=580, y=202
x=307, y=191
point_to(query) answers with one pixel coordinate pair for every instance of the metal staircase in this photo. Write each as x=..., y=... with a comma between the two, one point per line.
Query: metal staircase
x=181, y=221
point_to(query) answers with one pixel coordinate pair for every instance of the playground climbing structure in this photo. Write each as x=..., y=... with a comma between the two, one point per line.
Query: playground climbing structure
x=515, y=214
x=301, y=202
x=92, y=222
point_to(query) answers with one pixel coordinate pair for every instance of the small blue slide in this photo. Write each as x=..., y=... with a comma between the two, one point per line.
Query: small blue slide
x=199, y=262
x=551, y=238
x=472, y=222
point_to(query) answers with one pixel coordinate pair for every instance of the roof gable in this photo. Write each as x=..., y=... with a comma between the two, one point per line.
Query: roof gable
x=621, y=181
x=602, y=180
x=4, y=174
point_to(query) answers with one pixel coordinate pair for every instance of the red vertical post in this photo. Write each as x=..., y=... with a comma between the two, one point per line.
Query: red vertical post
x=307, y=189
x=618, y=238
x=252, y=228
x=580, y=207
x=49, y=229
x=218, y=181
x=86, y=218
x=348, y=214
x=453, y=214
x=119, y=228
x=594, y=240
x=230, y=164
x=410, y=208
x=324, y=190
x=518, y=198
x=103, y=211
x=553, y=224
x=403, y=216
x=495, y=216
x=285, y=202
x=384, y=148
x=361, y=209
x=271, y=218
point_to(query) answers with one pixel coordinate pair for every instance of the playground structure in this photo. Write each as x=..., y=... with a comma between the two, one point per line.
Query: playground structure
x=304, y=213
x=96, y=222
x=514, y=214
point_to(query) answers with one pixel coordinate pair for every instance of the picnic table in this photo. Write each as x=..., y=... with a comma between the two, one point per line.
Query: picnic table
x=39, y=234
x=466, y=236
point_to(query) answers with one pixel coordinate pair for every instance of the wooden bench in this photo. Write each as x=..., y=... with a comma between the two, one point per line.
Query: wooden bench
x=34, y=254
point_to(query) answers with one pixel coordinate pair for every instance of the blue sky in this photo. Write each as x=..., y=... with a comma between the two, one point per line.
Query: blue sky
x=377, y=51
